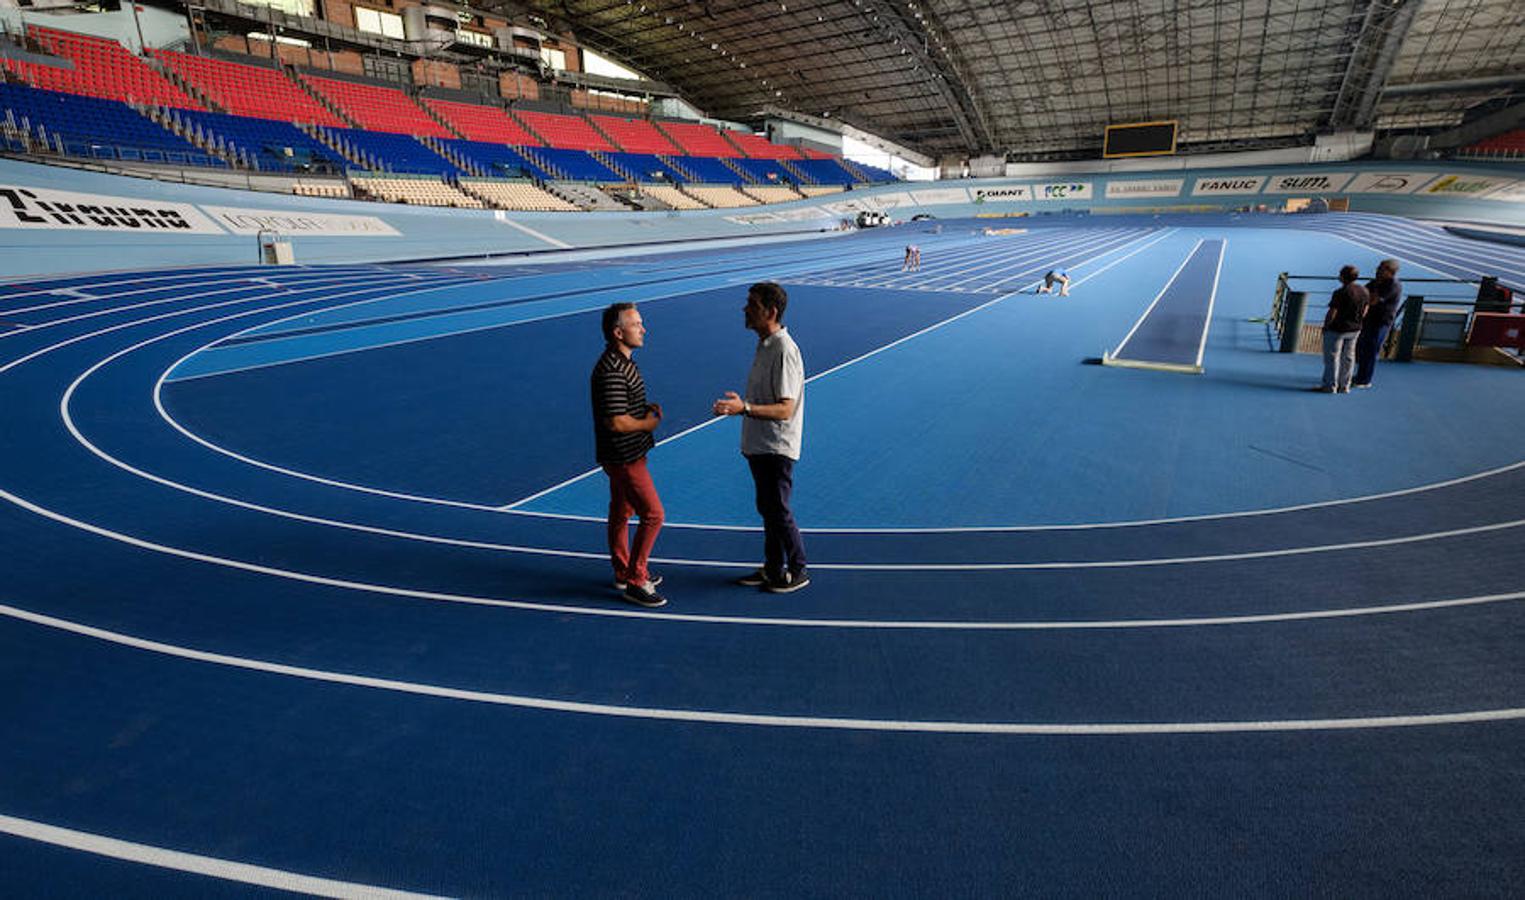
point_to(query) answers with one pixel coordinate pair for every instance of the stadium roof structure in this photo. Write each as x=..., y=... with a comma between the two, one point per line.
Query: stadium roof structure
x=1042, y=78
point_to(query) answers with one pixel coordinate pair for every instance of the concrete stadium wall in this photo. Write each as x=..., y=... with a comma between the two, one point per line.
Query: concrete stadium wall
x=55, y=219
x=1443, y=190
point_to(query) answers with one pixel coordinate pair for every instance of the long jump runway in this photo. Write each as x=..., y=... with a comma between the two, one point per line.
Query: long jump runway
x=305, y=589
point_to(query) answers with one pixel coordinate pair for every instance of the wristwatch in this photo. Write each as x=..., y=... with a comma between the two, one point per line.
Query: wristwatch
x=746, y=408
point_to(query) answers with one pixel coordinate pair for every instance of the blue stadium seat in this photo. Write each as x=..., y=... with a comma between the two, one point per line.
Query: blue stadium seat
x=766, y=171
x=708, y=170
x=95, y=128
x=399, y=153
x=497, y=160
x=271, y=146
x=578, y=165
x=647, y=167
x=875, y=174
x=825, y=171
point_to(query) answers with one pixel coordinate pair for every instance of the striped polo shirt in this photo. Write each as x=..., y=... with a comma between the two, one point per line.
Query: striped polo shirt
x=618, y=389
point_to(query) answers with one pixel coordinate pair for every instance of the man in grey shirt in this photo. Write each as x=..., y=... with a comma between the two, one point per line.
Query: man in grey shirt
x=771, y=434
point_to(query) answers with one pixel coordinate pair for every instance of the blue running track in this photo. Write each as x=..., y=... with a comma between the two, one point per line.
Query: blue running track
x=307, y=589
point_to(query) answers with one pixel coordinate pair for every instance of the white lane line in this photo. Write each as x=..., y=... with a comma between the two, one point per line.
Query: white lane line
x=602, y=557
x=857, y=530
x=163, y=413
x=1168, y=282
x=512, y=507
x=1405, y=256
x=1451, y=249
x=1212, y=299
x=563, y=245
x=995, y=265
x=161, y=281
x=719, y=717
x=293, y=287
x=211, y=866
x=401, y=341
x=715, y=419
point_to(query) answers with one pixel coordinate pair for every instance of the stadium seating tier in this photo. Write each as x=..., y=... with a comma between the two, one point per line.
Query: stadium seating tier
x=566, y=132
x=377, y=108
x=481, y=123
x=249, y=90
x=635, y=135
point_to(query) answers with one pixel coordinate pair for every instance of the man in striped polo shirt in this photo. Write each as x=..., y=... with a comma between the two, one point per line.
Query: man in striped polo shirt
x=622, y=425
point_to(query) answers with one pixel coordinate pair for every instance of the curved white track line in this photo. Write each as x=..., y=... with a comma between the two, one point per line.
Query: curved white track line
x=79, y=437
x=971, y=529
x=627, y=613
x=718, y=717
x=461, y=504
x=69, y=423
x=266, y=281
x=211, y=866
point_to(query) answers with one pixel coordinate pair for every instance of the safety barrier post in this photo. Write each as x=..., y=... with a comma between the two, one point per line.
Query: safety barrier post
x=1413, y=314
x=1292, y=320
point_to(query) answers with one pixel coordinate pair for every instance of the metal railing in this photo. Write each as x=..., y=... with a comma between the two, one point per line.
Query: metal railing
x=1288, y=303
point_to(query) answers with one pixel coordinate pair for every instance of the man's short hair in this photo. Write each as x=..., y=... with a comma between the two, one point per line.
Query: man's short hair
x=1390, y=265
x=1349, y=273
x=772, y=296
x=612, y=319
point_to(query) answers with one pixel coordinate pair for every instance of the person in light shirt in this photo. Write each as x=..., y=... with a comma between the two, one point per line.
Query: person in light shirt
x=772, y=431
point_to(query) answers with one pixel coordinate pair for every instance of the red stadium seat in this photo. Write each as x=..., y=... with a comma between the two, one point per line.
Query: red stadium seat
x=102, y=68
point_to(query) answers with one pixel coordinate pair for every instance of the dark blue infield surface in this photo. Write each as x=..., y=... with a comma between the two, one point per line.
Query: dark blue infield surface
x=307, y=589
x=1172, y=333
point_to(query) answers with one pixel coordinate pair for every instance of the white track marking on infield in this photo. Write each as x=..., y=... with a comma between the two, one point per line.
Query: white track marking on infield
x=719, y=717
x=210, y=866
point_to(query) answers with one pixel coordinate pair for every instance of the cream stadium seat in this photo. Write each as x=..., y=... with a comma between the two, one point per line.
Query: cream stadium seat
x=671, y=196
x=720, y=196
x=771, y=193
x=521, y=195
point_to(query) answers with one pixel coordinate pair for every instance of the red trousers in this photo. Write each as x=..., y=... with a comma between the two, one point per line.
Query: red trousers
x=631, y=491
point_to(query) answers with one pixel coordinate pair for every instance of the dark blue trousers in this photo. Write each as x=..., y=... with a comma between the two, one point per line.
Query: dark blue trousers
x=773, y=476
x=1368, y=347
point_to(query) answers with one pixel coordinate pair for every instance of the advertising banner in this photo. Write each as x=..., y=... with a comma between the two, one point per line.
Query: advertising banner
x=890, y=201
x=847, y=207
x=1158, y=187
x=1464, y=185
x=1064, y=190
x=940, y=196
x=1510, y=193
x=1388, y=182
x=44, y=209
x=1309, y=182
x=293, y=222
x=1016, y=193
x=1237, y=184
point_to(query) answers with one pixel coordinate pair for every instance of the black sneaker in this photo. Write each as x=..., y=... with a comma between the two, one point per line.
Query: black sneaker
x=753, y=579
x=791, y=582
x=644, y=596
x=655, y=580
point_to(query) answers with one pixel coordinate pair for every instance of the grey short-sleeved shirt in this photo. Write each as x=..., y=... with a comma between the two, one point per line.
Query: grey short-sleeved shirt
x=778, y=371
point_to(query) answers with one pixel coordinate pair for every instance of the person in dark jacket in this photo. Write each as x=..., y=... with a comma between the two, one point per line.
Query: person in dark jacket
x=1342, y=328
x=1386, y=296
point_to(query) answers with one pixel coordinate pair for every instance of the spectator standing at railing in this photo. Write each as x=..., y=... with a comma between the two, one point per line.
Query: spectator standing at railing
x=1386, y=296
x=1342, y=328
